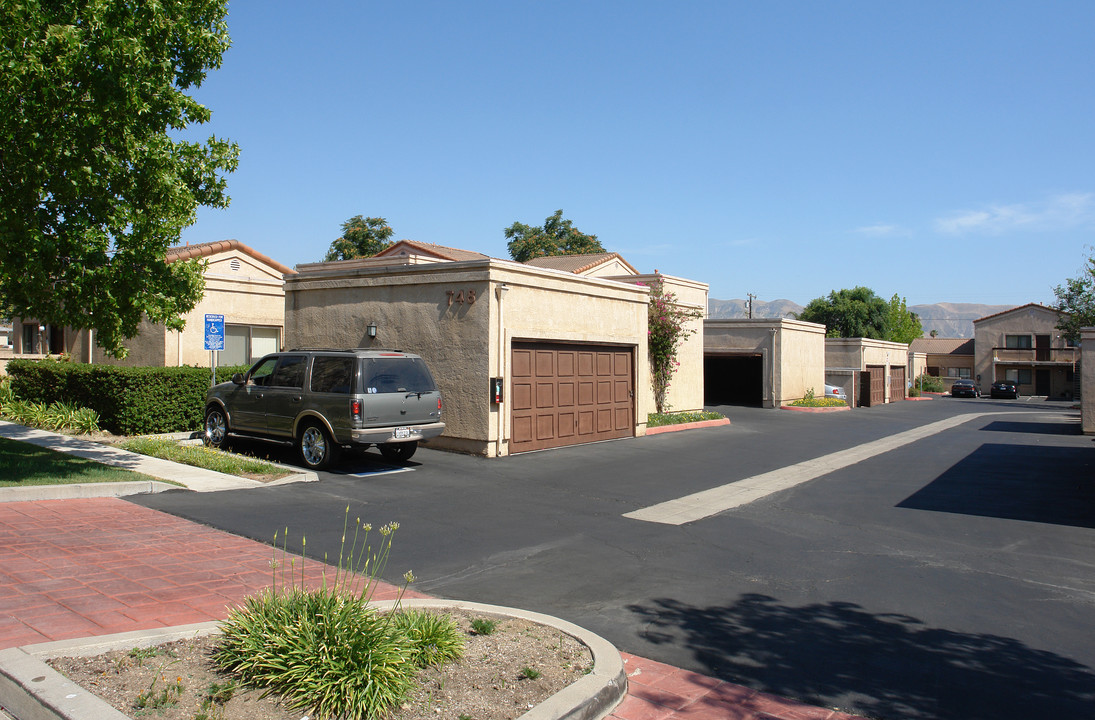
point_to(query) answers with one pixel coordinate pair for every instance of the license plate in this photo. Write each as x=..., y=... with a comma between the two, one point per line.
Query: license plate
x=401, y=433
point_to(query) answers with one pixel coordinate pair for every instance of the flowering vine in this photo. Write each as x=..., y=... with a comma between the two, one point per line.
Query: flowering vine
x=666, y=322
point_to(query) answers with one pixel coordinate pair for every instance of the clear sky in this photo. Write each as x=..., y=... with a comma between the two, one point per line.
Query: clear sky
x=939, y=150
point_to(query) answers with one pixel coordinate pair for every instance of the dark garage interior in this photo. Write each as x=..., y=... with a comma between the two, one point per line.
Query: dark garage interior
x=733, y=380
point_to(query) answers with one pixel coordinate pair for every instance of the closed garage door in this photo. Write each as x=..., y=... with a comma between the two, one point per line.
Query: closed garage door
x=897, y=383
x=568, y=394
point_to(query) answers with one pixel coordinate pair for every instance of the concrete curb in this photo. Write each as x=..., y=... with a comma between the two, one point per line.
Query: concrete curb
x=188, y=477
x=32, y=690
x=687, y=426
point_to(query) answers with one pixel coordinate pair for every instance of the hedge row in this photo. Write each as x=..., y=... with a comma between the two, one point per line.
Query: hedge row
x=129, y=400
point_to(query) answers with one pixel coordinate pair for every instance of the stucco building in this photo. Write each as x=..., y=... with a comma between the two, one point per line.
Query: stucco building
x=527, y=357
x=870, y=371
x=765, y=362
x=949, y=359
x=243, y=285
x=1023, y=344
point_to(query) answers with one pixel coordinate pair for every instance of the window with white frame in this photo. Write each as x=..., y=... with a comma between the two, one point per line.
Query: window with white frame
x=243, y=344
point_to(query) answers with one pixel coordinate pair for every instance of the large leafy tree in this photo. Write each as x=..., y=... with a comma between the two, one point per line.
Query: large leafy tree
x=361, y=237
x=859, y=312
x=1076, y=302
x=94, y=183
x=902, y=325
x=556, y=237
x=849, y=313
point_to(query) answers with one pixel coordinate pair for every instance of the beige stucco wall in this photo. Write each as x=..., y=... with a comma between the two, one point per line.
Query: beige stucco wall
x=991, y=332
x=686, y=389
x=1087, y=391
x=846, y=354
x=793, y=353
x=252, y=294
x=416, y=308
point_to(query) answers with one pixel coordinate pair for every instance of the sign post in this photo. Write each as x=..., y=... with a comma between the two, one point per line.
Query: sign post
x=214, y=339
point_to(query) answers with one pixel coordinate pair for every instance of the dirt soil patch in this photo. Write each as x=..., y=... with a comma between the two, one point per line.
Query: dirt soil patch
x=488, y=683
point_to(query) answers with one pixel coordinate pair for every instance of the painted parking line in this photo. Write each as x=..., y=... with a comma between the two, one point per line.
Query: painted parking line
x=373, y=473
x=742, y=492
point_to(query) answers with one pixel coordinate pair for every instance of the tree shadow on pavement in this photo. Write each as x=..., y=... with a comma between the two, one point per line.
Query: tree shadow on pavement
x=878, y=665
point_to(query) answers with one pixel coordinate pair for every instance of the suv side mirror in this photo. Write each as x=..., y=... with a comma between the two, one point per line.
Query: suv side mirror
x=238, y=378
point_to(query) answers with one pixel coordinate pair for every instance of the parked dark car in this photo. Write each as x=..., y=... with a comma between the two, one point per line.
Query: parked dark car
x=965, y=388
x=326, y=399
x=1005, y=389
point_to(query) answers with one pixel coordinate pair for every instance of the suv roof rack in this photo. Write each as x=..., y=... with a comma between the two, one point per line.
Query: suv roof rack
x=345, y=350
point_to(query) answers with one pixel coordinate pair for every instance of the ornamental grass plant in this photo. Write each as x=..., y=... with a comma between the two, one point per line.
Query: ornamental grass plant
x=328, y=649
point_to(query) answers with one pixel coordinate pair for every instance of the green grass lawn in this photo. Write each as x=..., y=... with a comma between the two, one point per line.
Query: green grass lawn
x=23, y=465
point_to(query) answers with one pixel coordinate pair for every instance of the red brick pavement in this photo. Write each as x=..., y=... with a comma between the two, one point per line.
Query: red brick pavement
x=79, y=568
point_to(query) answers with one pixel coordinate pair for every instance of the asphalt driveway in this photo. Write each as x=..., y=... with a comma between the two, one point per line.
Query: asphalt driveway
x=949, y=577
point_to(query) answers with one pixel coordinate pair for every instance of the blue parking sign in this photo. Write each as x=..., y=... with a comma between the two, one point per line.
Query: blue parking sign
x=214, y=332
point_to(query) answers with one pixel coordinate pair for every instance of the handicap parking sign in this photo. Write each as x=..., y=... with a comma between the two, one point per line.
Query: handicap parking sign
x=214, y=332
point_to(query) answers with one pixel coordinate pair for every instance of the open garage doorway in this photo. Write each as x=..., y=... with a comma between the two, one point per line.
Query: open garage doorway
x=733, y=380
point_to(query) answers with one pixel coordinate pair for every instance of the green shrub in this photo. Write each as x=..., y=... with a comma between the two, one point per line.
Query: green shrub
x=328, y=649
x=929, y=383
x=811, y=401
x=128, y=400
x=434, y=639
x=659, y=419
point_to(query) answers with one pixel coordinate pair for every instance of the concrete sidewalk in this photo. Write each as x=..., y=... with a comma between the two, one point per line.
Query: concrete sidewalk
x=93, y=566
x=192, y=478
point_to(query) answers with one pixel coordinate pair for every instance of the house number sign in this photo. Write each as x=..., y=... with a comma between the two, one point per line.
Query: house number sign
x=461, y=296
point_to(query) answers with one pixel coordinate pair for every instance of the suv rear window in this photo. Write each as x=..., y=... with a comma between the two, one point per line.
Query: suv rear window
x=396, y=375
x=332, y=374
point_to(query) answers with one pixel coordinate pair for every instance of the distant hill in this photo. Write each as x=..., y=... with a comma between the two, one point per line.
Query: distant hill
x=761, y=309
x=953, y=320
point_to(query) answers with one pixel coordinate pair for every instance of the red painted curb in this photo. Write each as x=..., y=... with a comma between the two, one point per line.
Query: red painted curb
x=838, y=408
x=687, y=426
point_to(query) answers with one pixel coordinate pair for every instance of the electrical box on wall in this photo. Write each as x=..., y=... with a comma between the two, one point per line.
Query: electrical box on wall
x=496, y=390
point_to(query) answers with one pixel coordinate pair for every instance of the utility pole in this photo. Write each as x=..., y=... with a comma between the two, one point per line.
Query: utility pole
x=751, y=296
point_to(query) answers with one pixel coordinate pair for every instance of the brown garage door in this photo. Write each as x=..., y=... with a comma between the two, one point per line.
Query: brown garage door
x=897, y=383
x=568, y=394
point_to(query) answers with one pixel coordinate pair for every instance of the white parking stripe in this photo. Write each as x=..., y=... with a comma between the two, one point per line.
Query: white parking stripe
x=742, y=492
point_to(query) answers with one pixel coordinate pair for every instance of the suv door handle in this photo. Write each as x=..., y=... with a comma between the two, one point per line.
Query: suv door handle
x=295, y=399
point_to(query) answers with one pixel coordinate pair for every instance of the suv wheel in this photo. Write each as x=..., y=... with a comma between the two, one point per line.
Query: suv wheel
x=216, y=427
x=316, y=448
x=398, y=452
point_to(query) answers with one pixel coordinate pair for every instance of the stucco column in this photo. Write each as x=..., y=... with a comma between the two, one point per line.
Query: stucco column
x=1087, y=380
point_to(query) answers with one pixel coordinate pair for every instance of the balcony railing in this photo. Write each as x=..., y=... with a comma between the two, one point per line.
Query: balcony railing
x=1060, y=356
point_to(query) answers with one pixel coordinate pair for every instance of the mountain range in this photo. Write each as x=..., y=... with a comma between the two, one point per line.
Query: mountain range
x=951, y=320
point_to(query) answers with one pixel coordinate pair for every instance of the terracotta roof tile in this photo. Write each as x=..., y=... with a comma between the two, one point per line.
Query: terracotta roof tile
x=577, y=263
x=942, y=346
x=188, y=252
x=1011, y=310
x=438, y=251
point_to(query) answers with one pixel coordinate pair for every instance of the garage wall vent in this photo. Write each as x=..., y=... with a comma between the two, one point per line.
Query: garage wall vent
x=235, y=265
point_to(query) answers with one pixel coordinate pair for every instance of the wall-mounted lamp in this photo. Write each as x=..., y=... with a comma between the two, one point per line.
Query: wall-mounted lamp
x=370, y=330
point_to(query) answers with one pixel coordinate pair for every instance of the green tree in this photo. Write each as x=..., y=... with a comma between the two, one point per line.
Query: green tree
x=901, y=325
x=666, y=330
x=362, y=237
x=93, y=187
x=1076, y=302
x=556, y=237
x=849, y=313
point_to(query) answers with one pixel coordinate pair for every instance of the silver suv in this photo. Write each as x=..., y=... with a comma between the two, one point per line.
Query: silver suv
x=325, y=399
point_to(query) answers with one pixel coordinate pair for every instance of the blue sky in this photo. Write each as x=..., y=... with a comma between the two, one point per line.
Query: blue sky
x=939, y=150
